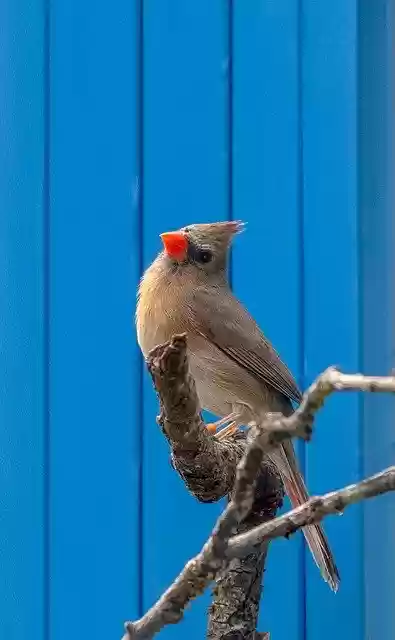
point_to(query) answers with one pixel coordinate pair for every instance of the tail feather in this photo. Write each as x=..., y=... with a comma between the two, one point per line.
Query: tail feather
x=295, y=488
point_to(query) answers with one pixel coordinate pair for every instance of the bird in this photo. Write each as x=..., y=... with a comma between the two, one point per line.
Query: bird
x=239, y=376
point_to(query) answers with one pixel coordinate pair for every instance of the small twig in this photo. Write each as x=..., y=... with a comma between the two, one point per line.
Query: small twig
x=277, y=428
x=312, y=512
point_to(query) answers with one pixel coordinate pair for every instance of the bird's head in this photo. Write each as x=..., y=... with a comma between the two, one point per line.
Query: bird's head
x=202, y=247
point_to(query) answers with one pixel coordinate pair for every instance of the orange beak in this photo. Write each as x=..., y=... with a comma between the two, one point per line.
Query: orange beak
x=176, y=244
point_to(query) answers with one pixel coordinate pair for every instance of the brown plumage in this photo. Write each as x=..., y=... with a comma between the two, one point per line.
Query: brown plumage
x=236, y=369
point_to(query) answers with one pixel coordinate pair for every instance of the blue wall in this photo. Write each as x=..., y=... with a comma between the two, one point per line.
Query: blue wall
x=120, y=120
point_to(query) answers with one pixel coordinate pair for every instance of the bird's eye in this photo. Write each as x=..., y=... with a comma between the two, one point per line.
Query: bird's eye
x=204, y=256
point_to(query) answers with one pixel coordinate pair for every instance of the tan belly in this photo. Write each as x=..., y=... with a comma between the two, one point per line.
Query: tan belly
x=222, y=385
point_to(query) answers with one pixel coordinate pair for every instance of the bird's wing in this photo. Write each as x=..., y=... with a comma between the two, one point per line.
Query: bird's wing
x=219, y=317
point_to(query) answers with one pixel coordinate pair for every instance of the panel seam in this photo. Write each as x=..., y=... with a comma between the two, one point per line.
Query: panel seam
x=46, y=257
x=360, y=287
x=140, y=223
x=302, y=292
x=230, y=79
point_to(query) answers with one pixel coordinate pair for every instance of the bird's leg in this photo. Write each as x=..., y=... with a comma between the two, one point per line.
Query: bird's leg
x=213, y=426
x=231, y=422
x=227, y=431
x=236, y=419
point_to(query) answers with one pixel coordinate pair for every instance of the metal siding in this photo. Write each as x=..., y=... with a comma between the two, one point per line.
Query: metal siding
x=378, y=320
x=185, y=180
x=155, y=114
x=22, y=321
x=267, y=257
x=94, y=360
x=332, y=295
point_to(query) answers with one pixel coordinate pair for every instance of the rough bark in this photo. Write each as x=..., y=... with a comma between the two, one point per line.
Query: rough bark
x=209, y=468
x=237, y=593
x=234, y=554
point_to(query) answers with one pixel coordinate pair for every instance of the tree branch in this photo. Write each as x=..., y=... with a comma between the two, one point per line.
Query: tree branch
x=277, y=428
x=237, y=593
x=197, y=569
x=208, y=468
x=312, y=512
x=206, y=465
x=202, y=569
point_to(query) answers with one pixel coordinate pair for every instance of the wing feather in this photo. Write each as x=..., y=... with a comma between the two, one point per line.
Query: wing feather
x=221, y=318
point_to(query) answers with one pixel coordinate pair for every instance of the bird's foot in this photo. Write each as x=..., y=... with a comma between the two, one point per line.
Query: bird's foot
x=229, y=424
x=227, y=431
x=213, y=426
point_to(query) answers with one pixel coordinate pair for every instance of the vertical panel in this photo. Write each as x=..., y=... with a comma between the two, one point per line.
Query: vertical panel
x=332, y=294
x=185, y=181
x=94, y=362
x=267, y=258
x=22, y=322
x=376, y=118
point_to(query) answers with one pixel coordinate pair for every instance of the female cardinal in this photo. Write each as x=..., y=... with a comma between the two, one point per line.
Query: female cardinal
x=239, y=376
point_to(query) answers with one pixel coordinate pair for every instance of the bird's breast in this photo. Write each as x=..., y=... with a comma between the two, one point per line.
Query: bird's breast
x=158, y=312
x=221, y=383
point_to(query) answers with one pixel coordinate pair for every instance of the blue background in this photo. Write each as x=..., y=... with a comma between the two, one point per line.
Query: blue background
x=121, y=120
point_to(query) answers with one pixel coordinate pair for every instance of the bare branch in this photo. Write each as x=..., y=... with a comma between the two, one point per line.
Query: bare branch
x=238, y=588
x=201, y=570
x=312, y=512
x=277, y=428
x=190, y=441
x=206, y=465
x=182, y=425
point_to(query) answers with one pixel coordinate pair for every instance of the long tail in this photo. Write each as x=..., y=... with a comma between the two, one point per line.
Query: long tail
x=285, y=459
